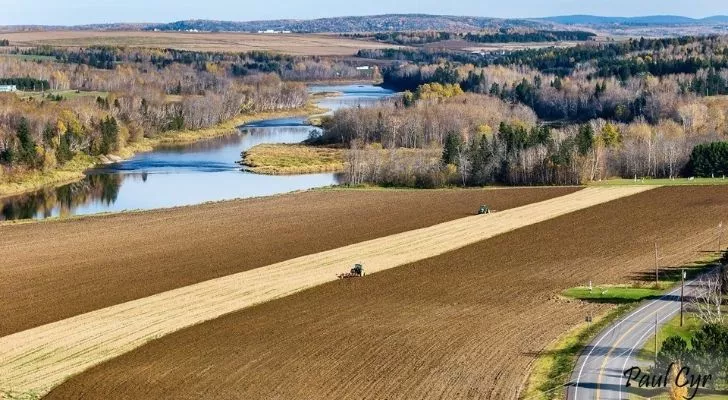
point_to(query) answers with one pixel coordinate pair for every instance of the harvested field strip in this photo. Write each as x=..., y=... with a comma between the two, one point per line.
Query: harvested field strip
x=42, y=357
x=90, y=263
x=462, y=325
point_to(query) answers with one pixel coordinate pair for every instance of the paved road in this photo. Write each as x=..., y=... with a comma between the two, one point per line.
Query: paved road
x=599, y=370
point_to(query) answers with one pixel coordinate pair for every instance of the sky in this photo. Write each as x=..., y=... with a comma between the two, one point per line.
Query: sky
x=76, y=12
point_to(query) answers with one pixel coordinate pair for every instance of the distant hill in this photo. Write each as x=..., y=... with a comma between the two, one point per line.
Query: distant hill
x=376, y=23
x=593, y=20
x=396, y=22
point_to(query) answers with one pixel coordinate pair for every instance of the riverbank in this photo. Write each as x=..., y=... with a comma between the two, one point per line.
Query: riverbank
x=18, y=183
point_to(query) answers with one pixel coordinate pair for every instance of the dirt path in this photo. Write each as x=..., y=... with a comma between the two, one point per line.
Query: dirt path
x=37, y=359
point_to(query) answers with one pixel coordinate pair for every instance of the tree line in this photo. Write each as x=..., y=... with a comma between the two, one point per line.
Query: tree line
x=487, y=140
x=503, y=35
x=233, y=64
x=135, y=101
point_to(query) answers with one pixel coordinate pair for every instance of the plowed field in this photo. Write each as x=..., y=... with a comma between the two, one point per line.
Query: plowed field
x=40, y=358
x=54, y=270
x=465, y=324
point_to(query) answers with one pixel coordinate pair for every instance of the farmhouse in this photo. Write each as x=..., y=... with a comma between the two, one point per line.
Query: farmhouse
x=8, y=88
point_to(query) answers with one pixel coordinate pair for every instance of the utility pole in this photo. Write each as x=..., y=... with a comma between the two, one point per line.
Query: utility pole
x=720, y=238
x=682, y=297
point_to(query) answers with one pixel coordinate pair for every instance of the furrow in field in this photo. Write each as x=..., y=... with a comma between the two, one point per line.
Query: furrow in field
x=40, y=358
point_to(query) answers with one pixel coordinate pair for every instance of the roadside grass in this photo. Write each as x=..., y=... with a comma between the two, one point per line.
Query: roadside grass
x=613, y=294
x=662, y=182
x=671, y=328
x=285, y=159
x=554, y=365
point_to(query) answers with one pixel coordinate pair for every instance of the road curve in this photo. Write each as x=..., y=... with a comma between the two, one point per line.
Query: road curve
x=599, y=370
x=37, y=359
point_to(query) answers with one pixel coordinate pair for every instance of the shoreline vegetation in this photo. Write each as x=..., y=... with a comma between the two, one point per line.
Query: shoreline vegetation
x=21, y=183
x=291, y=159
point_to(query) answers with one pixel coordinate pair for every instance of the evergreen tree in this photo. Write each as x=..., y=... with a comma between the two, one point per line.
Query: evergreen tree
x=450, y=151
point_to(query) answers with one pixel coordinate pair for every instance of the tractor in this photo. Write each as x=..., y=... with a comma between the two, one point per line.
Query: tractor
x=484, y=209
x=356, y=272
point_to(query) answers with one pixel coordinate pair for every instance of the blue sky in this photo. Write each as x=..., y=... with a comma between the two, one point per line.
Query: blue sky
x=73, y=12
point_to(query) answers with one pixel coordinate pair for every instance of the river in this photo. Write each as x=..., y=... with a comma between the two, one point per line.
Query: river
x=189, y=174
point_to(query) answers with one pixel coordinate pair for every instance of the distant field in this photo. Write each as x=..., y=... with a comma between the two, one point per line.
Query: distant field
x=296, y=44
x=67, y=94
x=24, y=57
x=473, y=46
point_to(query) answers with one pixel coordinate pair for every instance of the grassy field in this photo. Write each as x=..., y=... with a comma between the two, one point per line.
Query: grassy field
x=296, y=44
x=66, y=94
x=282, y=159
x=613, y=294
x=466, y=324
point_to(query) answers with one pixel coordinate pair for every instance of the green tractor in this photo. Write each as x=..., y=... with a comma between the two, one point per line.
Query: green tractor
x=484, y=210
x=356, y=272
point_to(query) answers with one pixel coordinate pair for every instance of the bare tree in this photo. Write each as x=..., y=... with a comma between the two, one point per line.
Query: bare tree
x=463, y=164
x=708, y=299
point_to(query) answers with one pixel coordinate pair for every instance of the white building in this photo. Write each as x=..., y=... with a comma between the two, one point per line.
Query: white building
x=8, y=88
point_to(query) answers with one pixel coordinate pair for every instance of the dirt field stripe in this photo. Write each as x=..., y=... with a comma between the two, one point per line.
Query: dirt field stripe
x=40, y=358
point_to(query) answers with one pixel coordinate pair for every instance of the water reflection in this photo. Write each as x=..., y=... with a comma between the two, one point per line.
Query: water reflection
x=187, y=174
x=63, y=200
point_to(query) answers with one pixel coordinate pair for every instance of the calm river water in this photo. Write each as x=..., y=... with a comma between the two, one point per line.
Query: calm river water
x=190, y=174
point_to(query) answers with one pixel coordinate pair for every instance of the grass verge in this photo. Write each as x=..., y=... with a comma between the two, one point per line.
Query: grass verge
x=613, y=294
x=671, y=328
x=285, y=159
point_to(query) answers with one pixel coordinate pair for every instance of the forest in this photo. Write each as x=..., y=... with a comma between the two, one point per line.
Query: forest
x=117, y=96
x=235, y=64
x=131, y=101
x=635, y=108
x=511, y=120
x=502, y=35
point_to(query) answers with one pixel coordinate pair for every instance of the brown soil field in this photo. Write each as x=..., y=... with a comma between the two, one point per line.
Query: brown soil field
x=295, y=44
x=55, y=270
x=40, y=358
x=465, y=324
